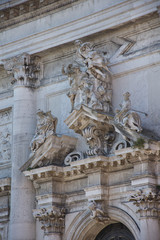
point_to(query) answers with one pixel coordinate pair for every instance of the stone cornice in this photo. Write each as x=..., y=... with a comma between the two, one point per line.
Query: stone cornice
x=107, y=18
x=19, y=11
x=124, y=159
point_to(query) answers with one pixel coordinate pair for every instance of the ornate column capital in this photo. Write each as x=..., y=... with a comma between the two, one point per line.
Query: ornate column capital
x=24, y=68
x=148, y=203
x=52, y=219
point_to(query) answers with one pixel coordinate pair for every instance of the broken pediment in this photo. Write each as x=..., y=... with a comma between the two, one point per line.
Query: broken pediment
x=46, y=147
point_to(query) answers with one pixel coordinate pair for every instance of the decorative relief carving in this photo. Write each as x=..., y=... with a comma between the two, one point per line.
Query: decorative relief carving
x=126, y=117
x=90, y=79
x=148, y=203
x=5, y=135
x=46, y=147
x=25, y=69
x=46, y=126
x=52, y=219
x=5, y=145
x=97, y=213
x=72, y=157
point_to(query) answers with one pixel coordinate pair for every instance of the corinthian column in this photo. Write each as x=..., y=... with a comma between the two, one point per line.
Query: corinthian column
x=52, y=221
x=24, y=71
x=148, y=204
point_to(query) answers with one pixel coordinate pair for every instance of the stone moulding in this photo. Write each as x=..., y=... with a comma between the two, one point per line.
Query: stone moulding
x=124, y=159
x=52, y=151
x=24, y=11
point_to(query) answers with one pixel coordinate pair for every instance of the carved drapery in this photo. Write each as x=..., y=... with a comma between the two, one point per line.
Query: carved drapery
x=89, y=78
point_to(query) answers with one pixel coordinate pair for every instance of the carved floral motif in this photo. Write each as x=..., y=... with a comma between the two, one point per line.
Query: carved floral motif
x=52, y=219
x=148, y=203
x=25, y=69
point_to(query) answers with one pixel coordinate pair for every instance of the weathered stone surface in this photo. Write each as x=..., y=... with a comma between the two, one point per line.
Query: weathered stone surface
x=118, y=52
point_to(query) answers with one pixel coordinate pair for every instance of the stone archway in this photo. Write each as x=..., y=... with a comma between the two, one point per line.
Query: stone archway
x=83, y=228
x=116, y=231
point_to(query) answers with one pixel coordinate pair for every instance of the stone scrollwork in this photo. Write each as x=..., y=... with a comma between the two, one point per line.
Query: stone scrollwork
x=126, y=117
x=97, y=213
x=72, y=157
x=52, y=219
x=89, y=79
x=46, y=126
x=97, y=140
x=148, y=203
x=25, y=69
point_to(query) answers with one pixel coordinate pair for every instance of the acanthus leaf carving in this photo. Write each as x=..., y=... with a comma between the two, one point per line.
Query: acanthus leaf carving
x=52, y=219
x=24, y=68
x=148, y=203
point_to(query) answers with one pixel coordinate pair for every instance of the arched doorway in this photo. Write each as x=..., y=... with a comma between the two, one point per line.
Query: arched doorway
x=116, y=231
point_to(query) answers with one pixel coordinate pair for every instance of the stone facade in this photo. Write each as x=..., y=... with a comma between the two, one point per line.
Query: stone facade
x=80, y=120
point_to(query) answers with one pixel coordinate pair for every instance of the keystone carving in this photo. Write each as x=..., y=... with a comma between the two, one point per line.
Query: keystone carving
x=97, y=213
x=148, y=203
x=52, y=219
x=89, y=79
x=24, y=68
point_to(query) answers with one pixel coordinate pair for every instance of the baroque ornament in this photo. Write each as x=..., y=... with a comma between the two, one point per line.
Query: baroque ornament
x=46, y=147
x=89, y=79
x=97, y=213
x=5, y=145
x=52, y=219
x=24, y=68
x=126, y=117
x=148, y=203
x=91, y=111
x=46, y=126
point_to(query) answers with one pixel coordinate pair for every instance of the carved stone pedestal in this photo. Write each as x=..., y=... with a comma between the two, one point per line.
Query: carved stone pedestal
x=94, y=127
